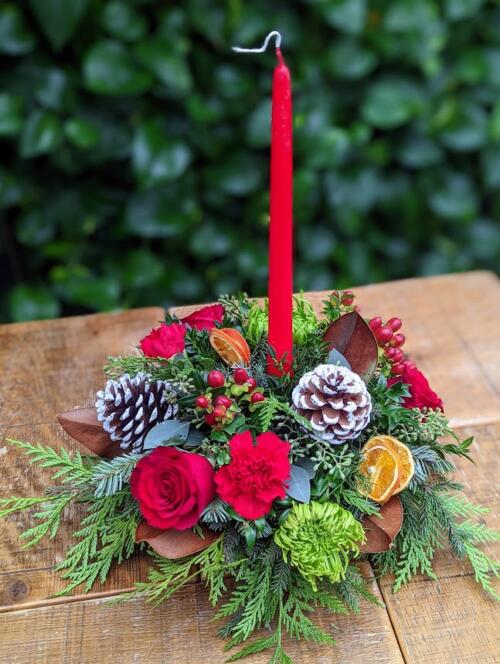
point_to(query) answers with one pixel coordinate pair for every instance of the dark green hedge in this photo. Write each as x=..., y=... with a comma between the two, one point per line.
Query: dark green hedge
x=135, y=146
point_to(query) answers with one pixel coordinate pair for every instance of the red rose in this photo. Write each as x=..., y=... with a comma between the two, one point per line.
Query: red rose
x=172, y=487
x=164, y=341
x=205, y=319
x=421, y=394
x=256, y=474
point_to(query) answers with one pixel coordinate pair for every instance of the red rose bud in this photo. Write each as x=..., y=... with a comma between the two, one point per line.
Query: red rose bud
x=206, y=318
x=257, y=397
x=252, y=384
x=172, y=487
x=395, y=324
x=222, y=400
x=219, y=412
x=421, y=394
x=256, y=474
x=383, y=335
x=347, y=298
x=375, y=323
x=202, y=402
x=398, y=340
x=240, y=376
x=164, y=341
x=216, y=378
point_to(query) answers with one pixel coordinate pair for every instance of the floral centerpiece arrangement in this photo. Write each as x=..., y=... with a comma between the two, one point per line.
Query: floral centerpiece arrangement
x=276, y=481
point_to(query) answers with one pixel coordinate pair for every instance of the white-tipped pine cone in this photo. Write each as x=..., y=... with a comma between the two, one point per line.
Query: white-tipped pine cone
x=336, y=402
x=130, y=406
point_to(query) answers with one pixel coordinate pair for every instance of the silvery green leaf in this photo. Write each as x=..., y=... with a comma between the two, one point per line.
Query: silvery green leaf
x=334, y=357
x=299, y=485
x=173, y=430
x=194, y=438
x=308, y=466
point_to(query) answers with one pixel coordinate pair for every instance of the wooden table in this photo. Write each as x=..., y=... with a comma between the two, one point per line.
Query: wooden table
x=453, y=329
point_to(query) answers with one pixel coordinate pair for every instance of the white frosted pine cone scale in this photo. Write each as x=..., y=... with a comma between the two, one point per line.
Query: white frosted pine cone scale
x=336, y=402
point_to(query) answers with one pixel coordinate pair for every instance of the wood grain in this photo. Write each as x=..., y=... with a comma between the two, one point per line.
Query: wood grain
x=180, y=631
x=45, y=368
x=452, y=327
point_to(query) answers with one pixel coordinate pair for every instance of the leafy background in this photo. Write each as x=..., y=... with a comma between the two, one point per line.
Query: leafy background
x=135, y=146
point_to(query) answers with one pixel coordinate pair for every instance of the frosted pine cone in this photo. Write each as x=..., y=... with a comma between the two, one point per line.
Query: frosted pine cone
x=130, y=406
x=336, y=402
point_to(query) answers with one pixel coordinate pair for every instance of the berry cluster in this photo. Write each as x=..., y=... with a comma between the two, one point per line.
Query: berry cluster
x=222, y=401
x=391, y=340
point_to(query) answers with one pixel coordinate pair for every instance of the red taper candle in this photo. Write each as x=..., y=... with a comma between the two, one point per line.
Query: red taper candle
x=280, y=287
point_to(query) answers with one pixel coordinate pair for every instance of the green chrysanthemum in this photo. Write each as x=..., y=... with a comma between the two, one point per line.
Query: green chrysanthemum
x=319, y=539
x=304, y=320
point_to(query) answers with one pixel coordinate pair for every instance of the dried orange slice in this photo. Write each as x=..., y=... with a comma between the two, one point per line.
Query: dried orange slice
x=379, y=470
x=404, y=458
x=230, y=345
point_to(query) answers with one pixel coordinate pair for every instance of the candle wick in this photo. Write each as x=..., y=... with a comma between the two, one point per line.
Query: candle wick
x=274, y=33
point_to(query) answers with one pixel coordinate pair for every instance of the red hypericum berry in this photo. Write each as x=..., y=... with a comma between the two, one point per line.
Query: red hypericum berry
x=210, y=419
x=202, y=402
x=395, y=324
x=398, y=340
x=240, y=376
x=219, y=411
x=397, y=355
x=216, y=378
x=252, y=384
x=257, y=397
x=375, y=323
x=383, y=335
x=397, y=369
x=222, y=400
x=389, y=352
x=409, y=365
x=347, y=298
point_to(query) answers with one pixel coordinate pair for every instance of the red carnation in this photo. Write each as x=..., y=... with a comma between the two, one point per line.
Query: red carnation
x=421, y=394
x=256, y=474
x=205, y=319
x=164, y=341
x=172, y=487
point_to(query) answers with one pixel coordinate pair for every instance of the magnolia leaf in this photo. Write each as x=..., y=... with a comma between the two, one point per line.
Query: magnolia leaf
x=82, y=425
x=173, y=544
x=334, y=357
x=170, y=430
x=382, y=528
x=352, y=337
x=299, y=484
x=308, y=466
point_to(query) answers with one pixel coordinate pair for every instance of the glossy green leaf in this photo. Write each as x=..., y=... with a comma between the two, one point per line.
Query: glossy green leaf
x=109, y=69
x=55, y=91
x=32, y=303
x=15, y=38
x=58, y=18
x=158, y=213
x=41, y=134
x=391, y=103
x=167, y=66
x=82, y=133
x=123, y=21
x=156, y=157
x=347, y=15
x=349, y=59
x=11, y=114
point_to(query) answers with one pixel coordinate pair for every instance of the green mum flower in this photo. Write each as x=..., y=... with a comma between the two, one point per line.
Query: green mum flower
x=319, y=539
x=304, y=320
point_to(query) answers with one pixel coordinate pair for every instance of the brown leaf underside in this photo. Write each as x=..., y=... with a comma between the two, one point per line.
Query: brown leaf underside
x=352, y=337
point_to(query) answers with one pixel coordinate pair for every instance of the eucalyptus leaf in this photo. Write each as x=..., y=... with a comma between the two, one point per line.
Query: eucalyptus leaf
x=334, y=357
x=299, y=484
x=307, y=465
x=194, y=438
x=169, y=430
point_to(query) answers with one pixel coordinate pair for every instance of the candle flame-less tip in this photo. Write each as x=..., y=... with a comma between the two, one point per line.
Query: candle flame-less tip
x=274, y=33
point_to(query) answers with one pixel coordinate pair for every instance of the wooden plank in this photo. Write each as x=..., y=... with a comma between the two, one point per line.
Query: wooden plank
x=180, y=631
x=451, y=620
x=451, y=323
x=48, y=367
